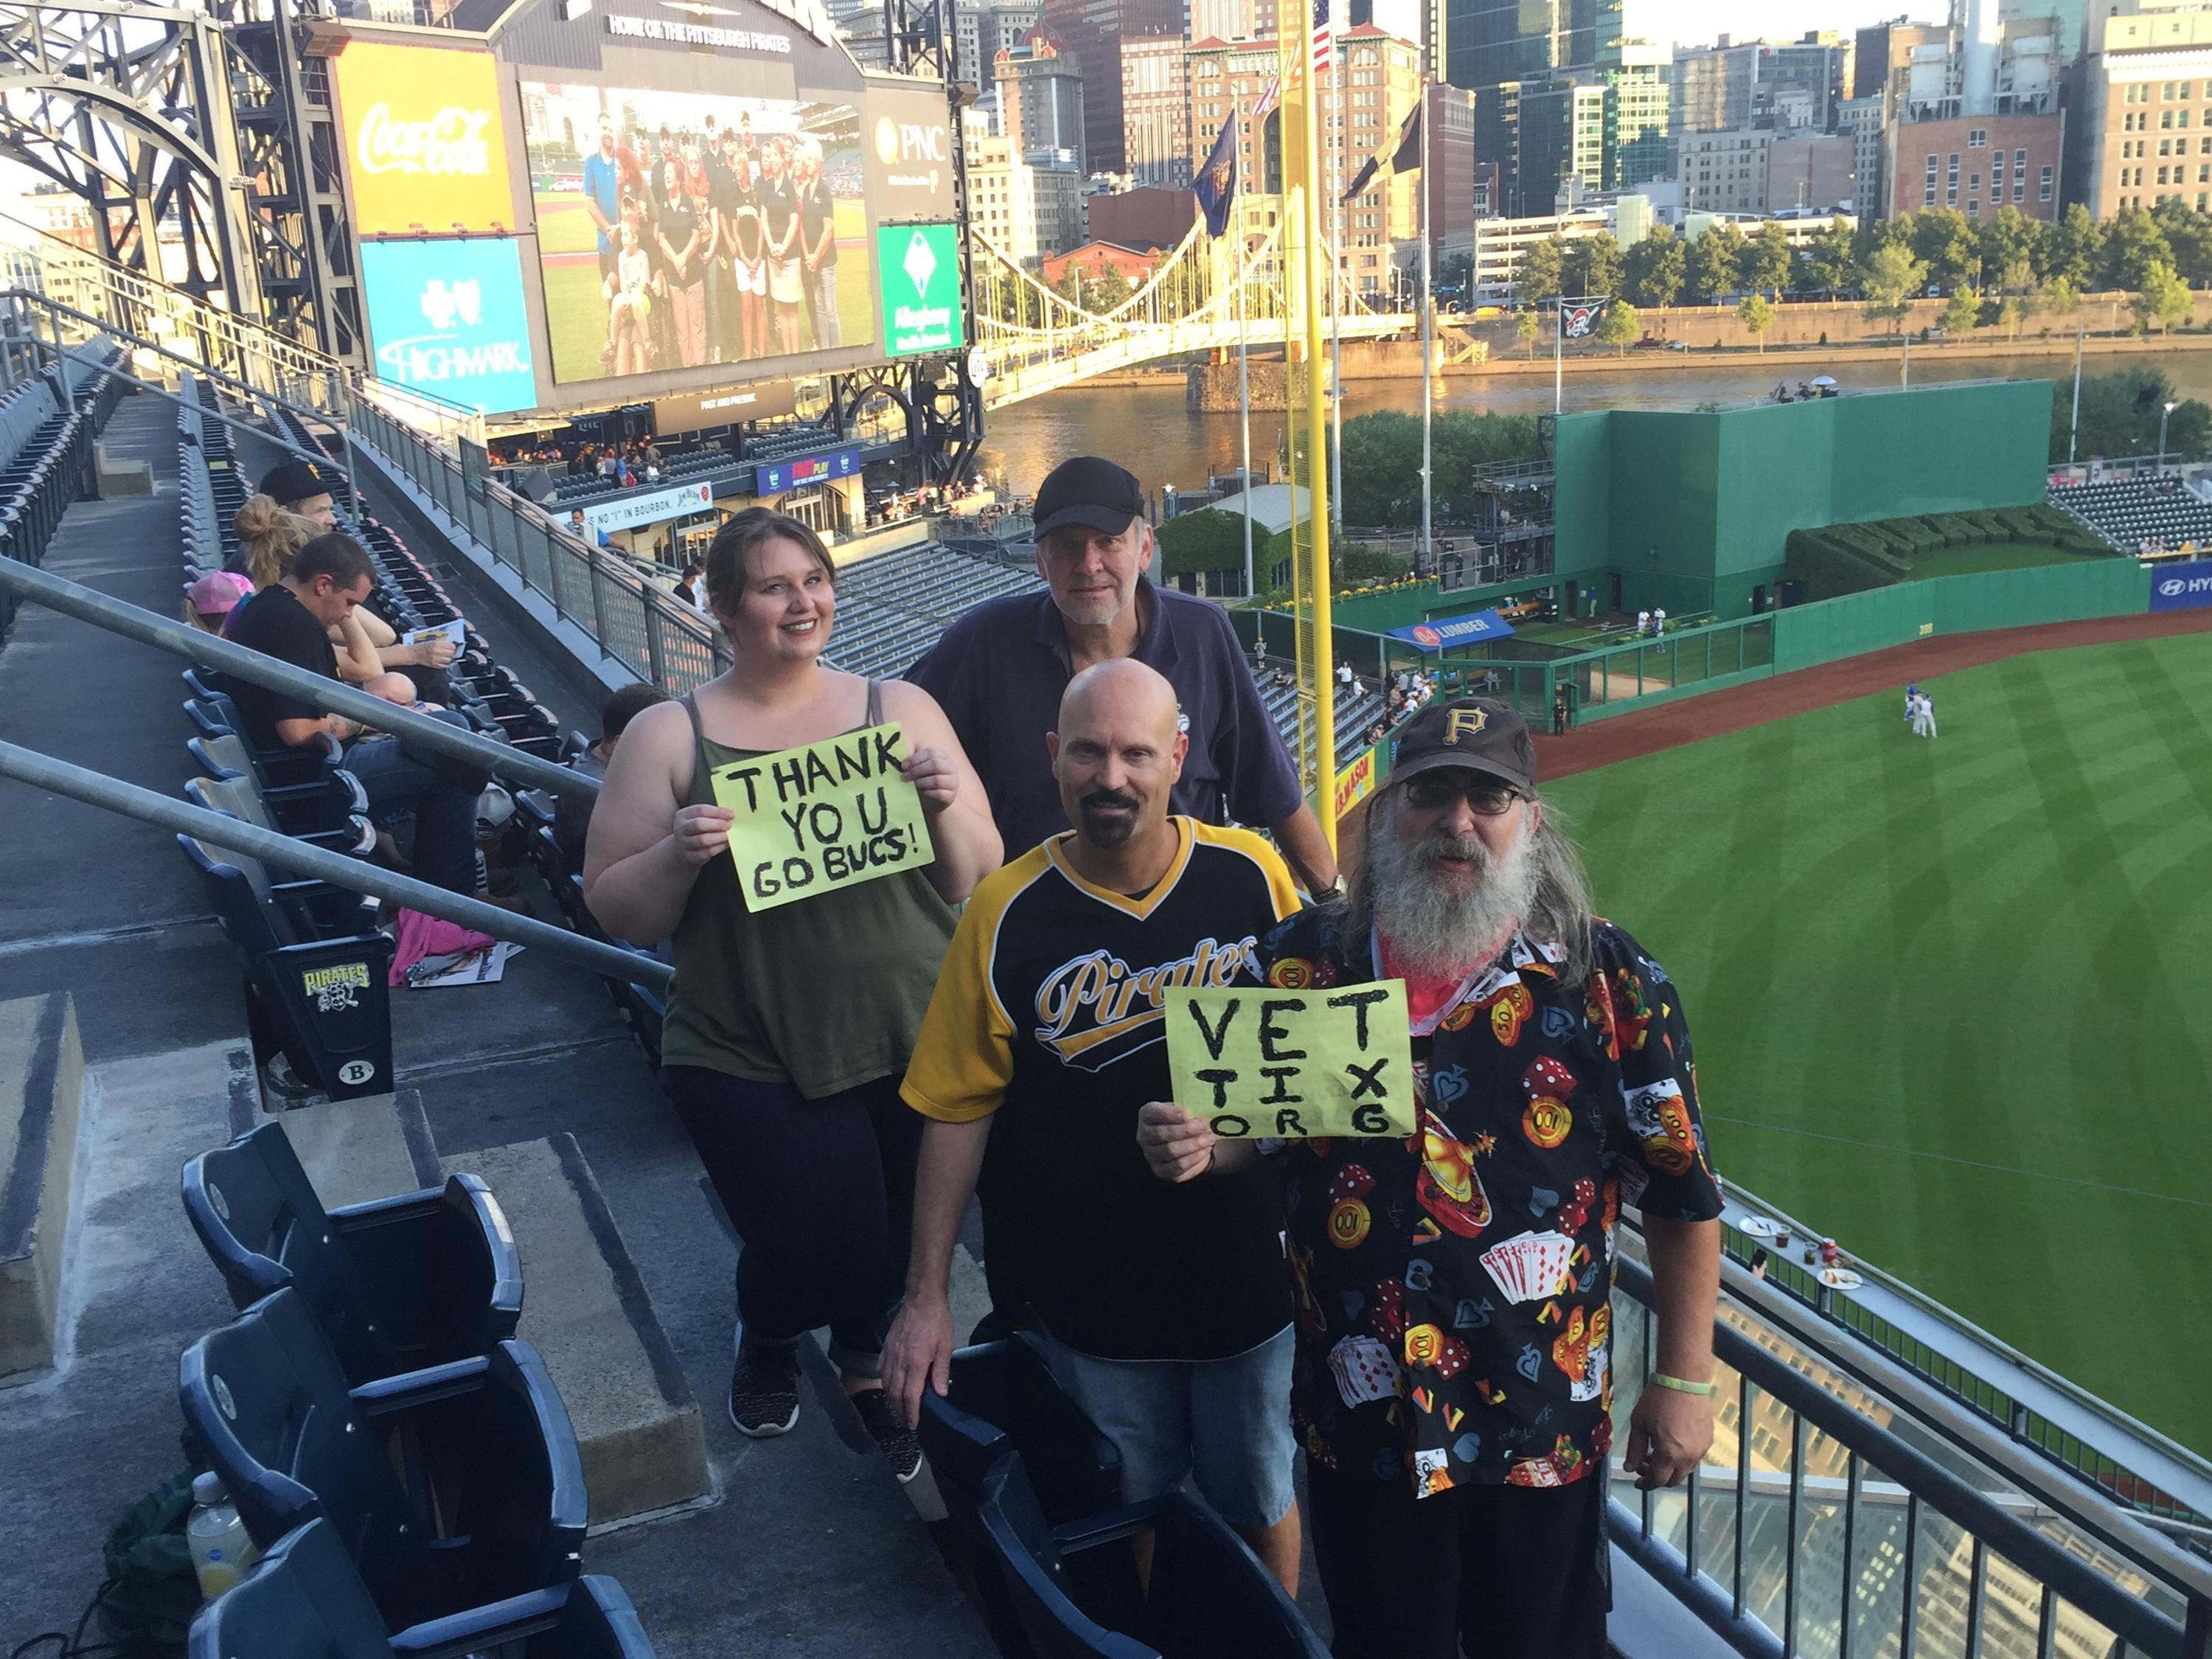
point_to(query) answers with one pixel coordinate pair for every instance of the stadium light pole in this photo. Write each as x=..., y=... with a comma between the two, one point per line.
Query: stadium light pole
x=2162, y=416
x=2074, y=425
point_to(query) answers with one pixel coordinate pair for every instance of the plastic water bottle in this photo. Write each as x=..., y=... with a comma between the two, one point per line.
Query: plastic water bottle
x=221, y=1550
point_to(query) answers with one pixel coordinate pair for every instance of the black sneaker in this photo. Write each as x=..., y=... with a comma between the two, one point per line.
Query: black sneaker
x=764, y=1392
x=901, y=1447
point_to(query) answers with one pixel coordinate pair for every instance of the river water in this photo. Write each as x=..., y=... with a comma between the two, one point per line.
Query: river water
x=1148, y=429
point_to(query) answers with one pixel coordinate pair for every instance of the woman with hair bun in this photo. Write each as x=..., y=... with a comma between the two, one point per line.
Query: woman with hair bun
x=788, y=1028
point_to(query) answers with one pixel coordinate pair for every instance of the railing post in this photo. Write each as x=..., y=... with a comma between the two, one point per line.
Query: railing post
x=654, y=657
x=597, y=579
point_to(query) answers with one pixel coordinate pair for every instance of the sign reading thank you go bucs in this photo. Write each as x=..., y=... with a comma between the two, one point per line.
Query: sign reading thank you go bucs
x=823, y=815
x=424, y=146
x=447, y=317
x=918, y=277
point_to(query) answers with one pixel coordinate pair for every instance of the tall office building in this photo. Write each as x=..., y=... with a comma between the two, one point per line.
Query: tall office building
x=1091, y=33
x=984, y=28
x=1712, y=89
x=1232, y=20
x=1041, y=98
x=1638, y=92
x=2143, y=107
x=1156, y=135
x=1482, y=43
x=1974, y=121
x=1224, y=75
x=1030, y=206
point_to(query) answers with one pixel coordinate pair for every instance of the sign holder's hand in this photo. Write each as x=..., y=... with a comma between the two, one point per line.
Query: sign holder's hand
x=702, y=833
x=934, y=776
x=1667, y=1433
x=1177, y=1146
x=918, y=1351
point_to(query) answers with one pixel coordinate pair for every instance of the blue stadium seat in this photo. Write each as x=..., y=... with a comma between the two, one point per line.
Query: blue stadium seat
x=394, y=1284
x=1209, y=1597
x=303, y=1600
x=266, y=1401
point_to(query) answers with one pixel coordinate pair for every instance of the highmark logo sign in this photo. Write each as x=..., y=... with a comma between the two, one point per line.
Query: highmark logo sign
x=447, y=317
x=918, y=279
x=2182, y=587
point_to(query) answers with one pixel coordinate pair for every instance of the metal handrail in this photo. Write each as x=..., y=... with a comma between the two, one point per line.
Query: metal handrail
x=1990, y=1524
x=420, y=731
x=354, y=875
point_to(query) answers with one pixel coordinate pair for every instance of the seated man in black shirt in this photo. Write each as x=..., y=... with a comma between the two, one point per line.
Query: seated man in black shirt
x=290, y=620
x=572, y=814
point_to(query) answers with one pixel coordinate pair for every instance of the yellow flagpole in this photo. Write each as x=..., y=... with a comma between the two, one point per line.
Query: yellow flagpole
x=1286, y=246
x=1317, y=426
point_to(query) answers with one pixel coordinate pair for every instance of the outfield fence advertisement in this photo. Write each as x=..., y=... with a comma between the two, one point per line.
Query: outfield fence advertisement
x=446, y=316
x=678, y=230
x=2182, y=587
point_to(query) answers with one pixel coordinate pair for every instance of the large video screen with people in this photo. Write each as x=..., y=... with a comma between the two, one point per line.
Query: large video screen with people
x=678, y=230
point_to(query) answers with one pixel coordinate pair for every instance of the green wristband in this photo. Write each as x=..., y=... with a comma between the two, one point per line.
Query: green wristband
x=1680, y=1385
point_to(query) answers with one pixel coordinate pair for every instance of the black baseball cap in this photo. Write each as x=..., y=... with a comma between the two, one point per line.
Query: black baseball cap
x=295, y=481
x=1089, y=491
x=1480, y=733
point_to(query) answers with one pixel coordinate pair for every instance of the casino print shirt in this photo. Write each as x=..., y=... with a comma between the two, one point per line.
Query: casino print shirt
x=1454, y=1288
x=1048, y=1018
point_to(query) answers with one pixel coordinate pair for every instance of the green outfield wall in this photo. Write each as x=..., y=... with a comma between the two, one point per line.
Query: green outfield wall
x=1691, y=508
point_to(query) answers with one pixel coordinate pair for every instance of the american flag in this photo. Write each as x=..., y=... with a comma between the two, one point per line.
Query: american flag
x=1270, y=95
x=1321, y=52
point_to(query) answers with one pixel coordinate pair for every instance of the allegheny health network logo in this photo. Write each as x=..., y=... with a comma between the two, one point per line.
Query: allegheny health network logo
x=918, y=279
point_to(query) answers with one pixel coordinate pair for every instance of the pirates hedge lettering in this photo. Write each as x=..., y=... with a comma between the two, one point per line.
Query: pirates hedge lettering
x=824, y=815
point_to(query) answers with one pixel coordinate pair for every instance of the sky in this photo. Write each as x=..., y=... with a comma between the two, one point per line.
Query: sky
x=1695, y=23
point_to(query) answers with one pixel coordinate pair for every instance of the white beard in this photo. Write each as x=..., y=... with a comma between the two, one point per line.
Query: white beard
x=1434, y=927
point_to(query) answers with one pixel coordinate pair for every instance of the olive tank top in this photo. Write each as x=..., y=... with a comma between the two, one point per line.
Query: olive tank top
x=824, y=994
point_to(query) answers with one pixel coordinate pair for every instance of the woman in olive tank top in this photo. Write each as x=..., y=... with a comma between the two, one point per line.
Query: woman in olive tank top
x=788, y=1028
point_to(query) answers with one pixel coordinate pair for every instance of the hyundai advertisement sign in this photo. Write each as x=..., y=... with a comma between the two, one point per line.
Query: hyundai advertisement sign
x=446, y=317
x=1454, y=631
x=2181, y=586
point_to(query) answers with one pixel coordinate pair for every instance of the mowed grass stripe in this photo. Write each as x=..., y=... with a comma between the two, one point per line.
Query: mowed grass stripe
x=1945, y=995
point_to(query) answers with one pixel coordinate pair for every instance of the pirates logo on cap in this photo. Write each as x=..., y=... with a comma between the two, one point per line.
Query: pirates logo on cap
x=1470, y=721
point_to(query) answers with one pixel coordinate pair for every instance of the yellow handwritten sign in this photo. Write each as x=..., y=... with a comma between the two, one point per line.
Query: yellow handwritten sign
x=824, y=815
x=1266, y=1061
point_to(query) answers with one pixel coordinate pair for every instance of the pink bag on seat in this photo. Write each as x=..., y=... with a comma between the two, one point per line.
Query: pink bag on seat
x=422, y=935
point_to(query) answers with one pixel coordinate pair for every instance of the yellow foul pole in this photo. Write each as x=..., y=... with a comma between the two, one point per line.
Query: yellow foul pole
x=1318, y=427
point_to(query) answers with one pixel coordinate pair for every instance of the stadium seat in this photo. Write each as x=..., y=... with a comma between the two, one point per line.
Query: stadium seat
x=1209, y=1597
x=304, y=1599
x=394, y=1284
x=267, y=1403
x=315, y=972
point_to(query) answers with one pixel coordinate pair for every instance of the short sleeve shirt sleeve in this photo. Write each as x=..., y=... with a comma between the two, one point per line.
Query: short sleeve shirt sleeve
x=963, y=1059
x=1658, y=1137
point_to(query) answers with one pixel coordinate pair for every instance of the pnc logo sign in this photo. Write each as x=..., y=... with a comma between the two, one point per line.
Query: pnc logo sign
x=900, y=142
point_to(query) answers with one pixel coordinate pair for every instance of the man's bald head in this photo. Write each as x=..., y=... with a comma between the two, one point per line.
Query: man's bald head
x=1118, y=751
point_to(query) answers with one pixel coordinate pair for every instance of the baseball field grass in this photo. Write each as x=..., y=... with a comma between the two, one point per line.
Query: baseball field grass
x=1949, y=997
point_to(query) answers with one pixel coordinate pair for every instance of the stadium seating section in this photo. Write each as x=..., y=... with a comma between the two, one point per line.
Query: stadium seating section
x=2140, y=515
x=45, y=451
x=891, y=608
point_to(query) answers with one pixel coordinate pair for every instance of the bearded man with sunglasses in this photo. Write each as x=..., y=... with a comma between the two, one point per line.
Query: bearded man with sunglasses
x=1453, y=1385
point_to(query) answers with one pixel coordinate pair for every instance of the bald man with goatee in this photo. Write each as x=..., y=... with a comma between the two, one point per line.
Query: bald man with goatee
x=1163, y=1310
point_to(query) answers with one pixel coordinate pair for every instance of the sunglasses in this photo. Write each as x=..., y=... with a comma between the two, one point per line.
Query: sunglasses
x=1433, y=792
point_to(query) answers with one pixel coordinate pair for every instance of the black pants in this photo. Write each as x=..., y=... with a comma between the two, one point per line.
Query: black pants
x=1494, y=1573
x=821, y=1192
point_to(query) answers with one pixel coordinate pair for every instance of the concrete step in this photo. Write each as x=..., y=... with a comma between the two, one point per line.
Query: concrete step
x=356, y=1150
x=586, y=1308
x=41, y=1088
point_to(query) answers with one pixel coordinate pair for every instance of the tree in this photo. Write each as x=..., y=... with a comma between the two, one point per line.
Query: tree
x=1542, y=269
x=2011, y=244
x=1651, y=270
x=2134, y=246
x=1617, y=325
x=2120, y=413
x=1756, y=313
x=2163, y=299
x=2014, y=310
x=2188, y=232
x=1962, y=312
x=1591, y=265
x=1889, y=280
x=2060, y=297
x=1526, y=327
x=2074, y=248
x=1104, y=288
x=1827, y=262
x=1712, y=266
x=1943, y=241
x=1767, y=259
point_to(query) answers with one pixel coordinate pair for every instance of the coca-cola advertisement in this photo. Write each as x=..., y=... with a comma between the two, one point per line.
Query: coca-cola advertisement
x=426, y=150
x=678, y=230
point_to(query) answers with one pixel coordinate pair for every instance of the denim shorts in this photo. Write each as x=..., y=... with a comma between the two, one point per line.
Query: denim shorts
x=1226, y=1422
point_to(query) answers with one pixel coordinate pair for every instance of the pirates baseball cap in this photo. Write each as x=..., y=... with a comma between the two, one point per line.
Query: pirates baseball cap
x=1477, y=733
x=1089, y=491
x=297, y=481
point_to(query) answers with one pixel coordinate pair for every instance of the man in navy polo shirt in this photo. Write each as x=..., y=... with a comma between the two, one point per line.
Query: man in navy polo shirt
x=999, y=673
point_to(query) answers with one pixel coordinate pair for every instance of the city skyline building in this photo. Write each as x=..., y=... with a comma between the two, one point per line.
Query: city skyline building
x=1156, y=136
x=1041, y=98
x=1091, y=31
x=2143, y=112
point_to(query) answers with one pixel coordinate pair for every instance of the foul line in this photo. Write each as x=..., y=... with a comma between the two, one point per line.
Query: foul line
x=1966, y=1162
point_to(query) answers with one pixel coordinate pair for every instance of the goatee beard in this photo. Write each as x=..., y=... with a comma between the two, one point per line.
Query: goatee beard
x=1434, y=925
